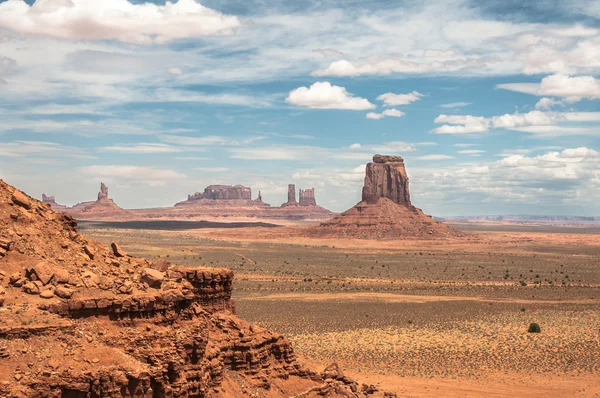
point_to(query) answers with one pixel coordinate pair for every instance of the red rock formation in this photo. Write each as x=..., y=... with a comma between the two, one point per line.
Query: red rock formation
x=52, y=202
x=307, y=197
x=385, y=210
x=291, y=199
x=222, y=195
x=386, y=178
x=103, y=194
x=91, y=321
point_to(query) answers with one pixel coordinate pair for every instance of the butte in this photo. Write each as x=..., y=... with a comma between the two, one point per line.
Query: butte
x=385, y=210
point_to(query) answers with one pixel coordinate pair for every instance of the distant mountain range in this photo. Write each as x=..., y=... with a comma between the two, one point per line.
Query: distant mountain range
x=524, y=218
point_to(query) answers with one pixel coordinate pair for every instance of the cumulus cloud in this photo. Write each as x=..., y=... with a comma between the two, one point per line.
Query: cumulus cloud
x=547, y=103
x=543, y=123
x=388, y=112
x=470, y=151
x=461, y=124
x=391, y=99
x=324, y=95
x=388, y=66
x=571, y=88
x=115, y=20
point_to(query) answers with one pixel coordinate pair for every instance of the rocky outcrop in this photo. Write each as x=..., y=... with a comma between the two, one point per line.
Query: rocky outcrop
x=103, y=193
x=87, y=320
x=385, y=210
x=223, y=195
x=50, y=200
x=386, y=178
x=307, y=197
x=103, y=205
x=291, y=196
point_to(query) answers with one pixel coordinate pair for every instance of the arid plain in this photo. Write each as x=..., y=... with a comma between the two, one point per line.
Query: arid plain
x=418, y=317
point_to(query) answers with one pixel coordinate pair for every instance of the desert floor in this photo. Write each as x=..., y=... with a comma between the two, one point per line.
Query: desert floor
x=419, y=318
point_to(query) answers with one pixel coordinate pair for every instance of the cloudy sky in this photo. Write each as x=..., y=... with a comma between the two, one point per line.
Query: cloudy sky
x=493, y=104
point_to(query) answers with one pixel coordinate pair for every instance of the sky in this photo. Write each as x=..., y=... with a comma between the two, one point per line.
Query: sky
x=494, y=105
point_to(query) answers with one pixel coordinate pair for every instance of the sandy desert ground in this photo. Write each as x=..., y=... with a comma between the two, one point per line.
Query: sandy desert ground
x=421, y=318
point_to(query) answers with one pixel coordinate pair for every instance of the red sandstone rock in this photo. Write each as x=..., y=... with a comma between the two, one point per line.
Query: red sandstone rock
x=307, y=197
x=117, y=251
x=103, y=193
x=385, y=210
x=386, y=178
x=20, y=199
x=110, y=336
x=152, y=277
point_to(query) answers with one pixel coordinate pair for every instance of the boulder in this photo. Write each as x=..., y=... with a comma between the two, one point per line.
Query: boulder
x=47, y=294
x=89, y=251
x=152, y=277
x=117, y=251
x=43, y=271
x=20, y=199
x=63, y=292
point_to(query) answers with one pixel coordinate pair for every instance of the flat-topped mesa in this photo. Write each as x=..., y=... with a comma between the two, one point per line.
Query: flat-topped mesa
x=48, y=199
x=307, y=197
x=103, y=193
x=386, y=178
x=226, y=195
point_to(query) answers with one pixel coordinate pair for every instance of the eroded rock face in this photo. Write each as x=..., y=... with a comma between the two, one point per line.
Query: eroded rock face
x=223, y=192
x=101, y=323
x=103, y=194
x=307, y=197
x=386, y=178
x=385, y=210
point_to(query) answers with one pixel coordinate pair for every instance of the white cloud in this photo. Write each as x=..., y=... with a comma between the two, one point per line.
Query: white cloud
x=26, y=149
x=547, y=103
x=471, y=151
x=142, y=148
x=355, y=146
x=374, y=116
x=115, y=20
x=391, y=99
x=452, y=105
x=387, y=112
x=323, y=95
x=213, y=169
x=174, y=71
x=150, y=176
x=438, y=53
x=435, y=157
x=535, y=122
x=572, y=89
x=461, y=124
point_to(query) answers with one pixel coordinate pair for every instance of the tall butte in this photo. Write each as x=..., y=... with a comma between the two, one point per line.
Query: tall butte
x=385, y=210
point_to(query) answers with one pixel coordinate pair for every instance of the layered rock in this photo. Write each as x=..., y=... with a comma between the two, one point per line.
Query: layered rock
x=88, y=320
x=50, y=200
x=291, y=196
x=103, y=205
x=386, y=178
x=385, y=210
x=223, y=195
x=307, y=197
x=103, y=193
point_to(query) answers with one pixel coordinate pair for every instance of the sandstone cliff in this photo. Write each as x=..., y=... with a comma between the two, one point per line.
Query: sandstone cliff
x=51, y=200
x=385, y=210
x=78, y=319
x=223, y=195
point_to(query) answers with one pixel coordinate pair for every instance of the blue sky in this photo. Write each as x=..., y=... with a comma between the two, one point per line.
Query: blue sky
x=493, y=104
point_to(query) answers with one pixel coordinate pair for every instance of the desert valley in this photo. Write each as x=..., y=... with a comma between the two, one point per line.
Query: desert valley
x=299, y=199
x=381, y=300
